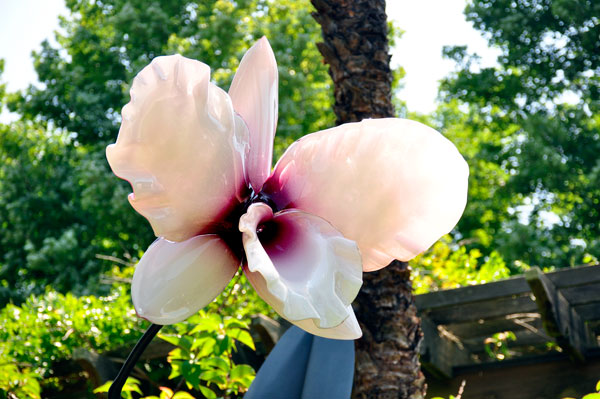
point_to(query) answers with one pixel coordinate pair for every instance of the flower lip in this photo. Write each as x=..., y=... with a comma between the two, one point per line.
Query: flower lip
x=229, y=230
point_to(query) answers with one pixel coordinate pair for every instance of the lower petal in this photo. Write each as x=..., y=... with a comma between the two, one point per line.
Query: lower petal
x=304, y=268
x=174, y=280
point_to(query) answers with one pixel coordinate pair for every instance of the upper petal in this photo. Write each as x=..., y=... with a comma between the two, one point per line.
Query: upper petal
x=254, y=96
x=174, y=280
x=304, y=268
x=181, y=147
x=392, y=185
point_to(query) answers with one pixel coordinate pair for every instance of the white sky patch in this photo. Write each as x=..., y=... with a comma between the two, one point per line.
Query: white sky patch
x=428, y=26
x=24, y=24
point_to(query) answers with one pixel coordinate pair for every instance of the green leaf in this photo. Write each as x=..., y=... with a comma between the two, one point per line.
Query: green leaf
x=224, y=345
x=206, y=340
x=206, y=345
x=165, y=392
x=182, y=395
x=208, y=393
x=236, y=323
x=215, y=376
x=104, y=387
x=216, y=362
x=211, y=323
x=132, y=385
x=592, y=396
x=598, y=386
x=172, y=339
x=191, y=373
x=241, y=371
x=243, y=336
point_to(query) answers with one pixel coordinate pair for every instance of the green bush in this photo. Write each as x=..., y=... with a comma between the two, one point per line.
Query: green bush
x=45, y=330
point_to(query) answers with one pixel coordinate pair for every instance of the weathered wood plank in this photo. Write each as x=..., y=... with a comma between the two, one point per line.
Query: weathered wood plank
x=575, y=276
x=589, y=311
x=491, y=326
x=474, y=293
x=439, y=352
x=582, y=294
x=482, y=310
x=556, y=377
x=523, y=338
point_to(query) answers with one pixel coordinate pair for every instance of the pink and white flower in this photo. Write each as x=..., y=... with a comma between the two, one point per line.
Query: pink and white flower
x=339, y=202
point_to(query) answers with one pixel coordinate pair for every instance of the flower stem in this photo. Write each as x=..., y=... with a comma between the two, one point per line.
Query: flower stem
x=114, y=392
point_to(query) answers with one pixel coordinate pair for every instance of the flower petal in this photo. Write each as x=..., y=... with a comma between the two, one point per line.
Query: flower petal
x=304, y=268
x=181, y=147
x=174, y=280
x=392, y=185
x=254, y=96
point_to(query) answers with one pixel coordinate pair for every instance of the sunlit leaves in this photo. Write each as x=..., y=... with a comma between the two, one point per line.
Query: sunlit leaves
x=203, y=354
x=18, y=382
x=130, y=386
x=446, y=265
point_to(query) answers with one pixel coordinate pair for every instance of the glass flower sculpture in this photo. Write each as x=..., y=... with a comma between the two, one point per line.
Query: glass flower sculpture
x=339, y=202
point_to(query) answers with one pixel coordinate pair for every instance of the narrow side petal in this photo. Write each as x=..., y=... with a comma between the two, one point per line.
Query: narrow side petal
x=304, y=268
x=181, y=147
x=254, y=96
x=174, y=280
x=392, y=185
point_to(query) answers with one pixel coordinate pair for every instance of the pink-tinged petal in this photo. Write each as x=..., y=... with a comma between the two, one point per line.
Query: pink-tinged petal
x=181, y=147
x=304, y=268
x=254, y=96
x=174, y=280
x=393, y=186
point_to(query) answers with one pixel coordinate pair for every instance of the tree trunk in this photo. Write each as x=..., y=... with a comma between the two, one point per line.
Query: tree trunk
x=356, y=49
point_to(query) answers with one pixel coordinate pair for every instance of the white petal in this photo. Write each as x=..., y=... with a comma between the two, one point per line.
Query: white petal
x=181, y=147
x=392, y=185
x=174, y=280
x=254, y=96
x=304, y=268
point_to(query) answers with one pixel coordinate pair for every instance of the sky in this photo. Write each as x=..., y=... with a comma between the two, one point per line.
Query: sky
x=428, y=26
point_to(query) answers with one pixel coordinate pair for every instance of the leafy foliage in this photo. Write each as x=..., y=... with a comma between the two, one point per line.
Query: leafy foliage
x=446, y=265
x=131, y=385
x=16, y=382
x=203, y=354
x=496, y=346
x=59, y=207
x=57, y=325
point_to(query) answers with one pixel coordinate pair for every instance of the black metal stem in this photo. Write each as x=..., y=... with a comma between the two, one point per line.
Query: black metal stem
x=114, y=392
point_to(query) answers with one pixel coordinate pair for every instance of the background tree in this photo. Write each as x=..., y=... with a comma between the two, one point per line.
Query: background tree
x=356, y=48
x=531, y=131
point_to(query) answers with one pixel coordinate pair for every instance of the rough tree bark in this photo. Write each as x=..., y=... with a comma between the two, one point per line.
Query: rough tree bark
x=356, y=49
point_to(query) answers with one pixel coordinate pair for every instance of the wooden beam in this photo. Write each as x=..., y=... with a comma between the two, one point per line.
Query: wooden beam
x=589, y=311
x=488, y=327
x=440, y=351
x=482, y=310
x=550, y=376
x=473, y=293
x=570, y=277
x=560, y=320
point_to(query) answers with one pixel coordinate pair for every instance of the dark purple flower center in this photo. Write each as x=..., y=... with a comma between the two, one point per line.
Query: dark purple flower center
x=229, y=230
